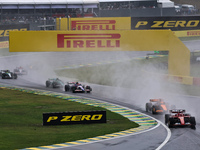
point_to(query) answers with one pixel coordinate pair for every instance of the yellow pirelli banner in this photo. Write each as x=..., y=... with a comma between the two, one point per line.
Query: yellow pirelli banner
x=116, y=40
x=100, y=23
x=110, y=40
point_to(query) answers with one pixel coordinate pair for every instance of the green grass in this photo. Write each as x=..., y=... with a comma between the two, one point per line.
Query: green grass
x=129, y=73
x=189, y=38
x=21, y=121
x=110, y=74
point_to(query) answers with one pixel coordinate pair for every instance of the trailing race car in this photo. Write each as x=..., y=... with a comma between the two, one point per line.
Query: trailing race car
x=20, y=71
x=6, y=74
x=157, y=106
x=77, y=87
x=178, y=117
x=54, y=83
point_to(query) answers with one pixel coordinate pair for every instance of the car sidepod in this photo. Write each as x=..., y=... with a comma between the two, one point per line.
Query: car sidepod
x=9, y=76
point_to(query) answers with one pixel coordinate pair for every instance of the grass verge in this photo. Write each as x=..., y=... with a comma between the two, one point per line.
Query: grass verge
x=129, y=73
x=21, y=121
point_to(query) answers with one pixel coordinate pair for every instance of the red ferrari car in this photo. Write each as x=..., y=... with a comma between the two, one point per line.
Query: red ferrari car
x=178, y=117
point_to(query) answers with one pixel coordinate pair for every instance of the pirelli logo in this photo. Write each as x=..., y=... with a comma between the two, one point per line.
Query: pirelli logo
x=67, y=118
x=88, y=40
x=193, y=33
x=93, y=25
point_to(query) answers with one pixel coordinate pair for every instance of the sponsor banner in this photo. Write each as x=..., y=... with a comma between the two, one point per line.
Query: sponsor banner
x=111, y=40
x=107, y=40
x=101, y=23
x=173, y=23
x=4, y=44
x=114, y=23
x=5, y=29
x=188, y=33
x=188, y=80
x=67, y=118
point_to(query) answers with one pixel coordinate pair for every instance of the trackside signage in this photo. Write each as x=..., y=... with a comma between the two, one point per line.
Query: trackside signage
x=93, y=25
x=115, y=23
x=173, y=23
x=68, y=118
x=5, y=29
x=88, y=40
x=107, y=40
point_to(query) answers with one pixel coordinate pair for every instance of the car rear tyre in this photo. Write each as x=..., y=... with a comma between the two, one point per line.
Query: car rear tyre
x=193, y=122
x=66, y=88
x=167, y=118
x=15, y=76
x=170, y=122
x=73, y=89
x=147, y=108
x=153, y=110
x=54, y=85
x=47, y=84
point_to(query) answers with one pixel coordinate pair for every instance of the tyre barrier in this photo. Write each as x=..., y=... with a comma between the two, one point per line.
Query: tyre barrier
x=145, y=122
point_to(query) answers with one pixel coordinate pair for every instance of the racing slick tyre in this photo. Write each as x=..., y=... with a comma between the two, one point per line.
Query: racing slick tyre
x=54, y=85
x=73, y=89
x=66, y=88
x=147, y=107
x=170, y=122
x=14, y=76
x=167, y=118
x=193, y=122
x=90, y=89
x=47, y=83
x=153, y=110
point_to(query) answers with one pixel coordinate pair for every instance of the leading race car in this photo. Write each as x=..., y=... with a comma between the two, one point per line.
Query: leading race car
x=178, y=117
x=6, y=74
x=76, y=87
x=55, y=83
x=20, y=71
x=157, y=106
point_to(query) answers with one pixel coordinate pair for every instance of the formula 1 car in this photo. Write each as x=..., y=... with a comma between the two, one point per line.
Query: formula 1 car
x=76, y=87
x=20, y=71
x=178, y=117
x=157, y=106
x=54, y=83
x=6, y=74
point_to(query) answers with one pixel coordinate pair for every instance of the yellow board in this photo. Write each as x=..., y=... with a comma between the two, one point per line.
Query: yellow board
x=116, y=40
x=112, y=40
x=100, y=23
x=62, y=24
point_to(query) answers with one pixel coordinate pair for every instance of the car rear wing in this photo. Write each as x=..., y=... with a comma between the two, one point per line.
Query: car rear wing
x=156, y=100
x=177, y=111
